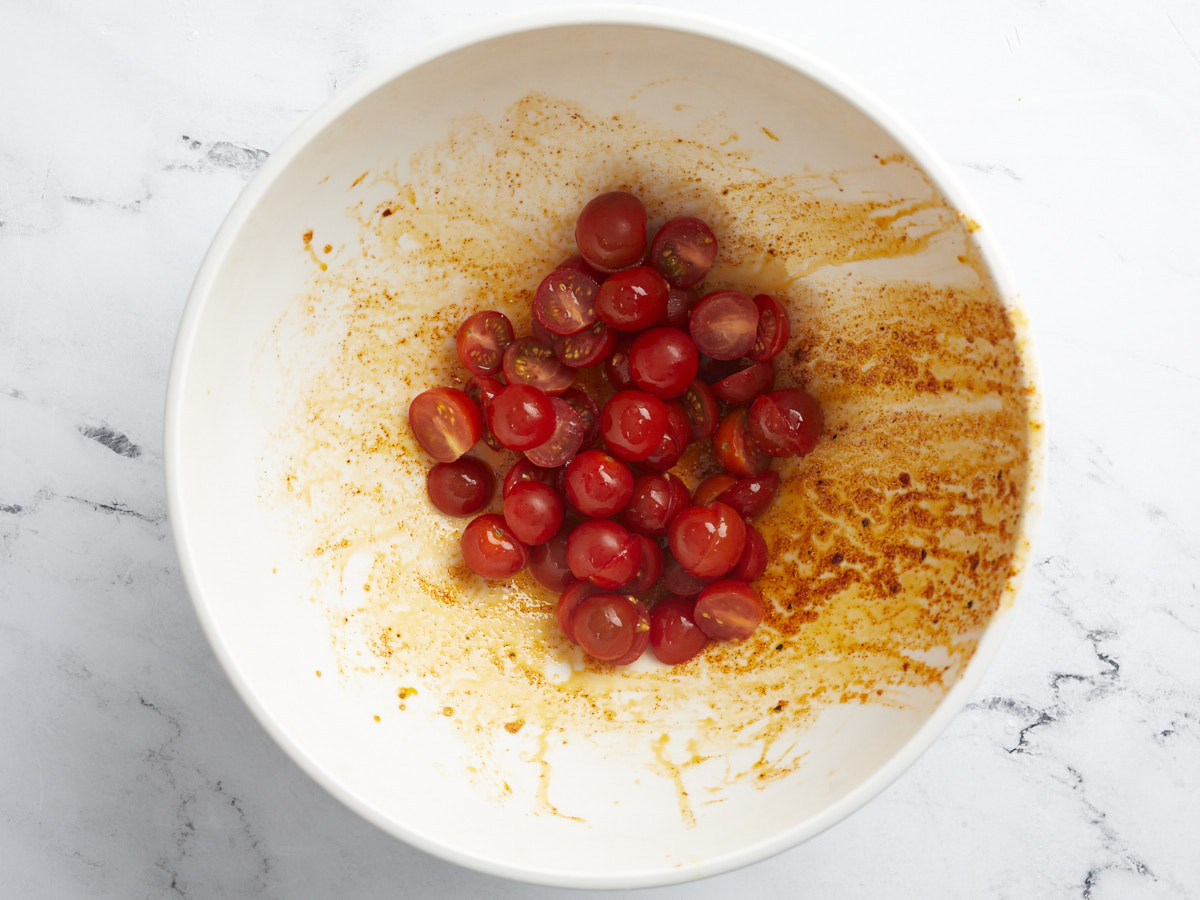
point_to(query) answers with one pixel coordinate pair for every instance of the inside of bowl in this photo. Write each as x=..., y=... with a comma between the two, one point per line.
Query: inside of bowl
x=448, y=710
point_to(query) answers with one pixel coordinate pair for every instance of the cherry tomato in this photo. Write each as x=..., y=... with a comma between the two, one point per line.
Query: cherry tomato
x=588, y=411
x=724, y=324
x=735, y=449
x=565, y=301
x=446, y=422
x=632, y=424
x=746, y=383
x=674, y=635
x=712, y=487
x=633, y=299
x=524, y=470
x=786, y=422
x=521, y=417
x=611, y=231
x=679, y=306
x=773, y=330
x=572, y=595
x=586, y=348
x=548, y=562
x=683, y=251
x=603, y=552
x=750, y=495
x=597, y=483
x=728, y=610
x=641, y=636
x=678, y=581
x=606, y=625
x=674, y=441
x=491, y=549
x=482, y=339
x=707, y=540
x=534, y=512
x=564, y=442
x=460, y=488
x=754, y=557
x=529, y=361
x=663, y=362
x=700, y=404
x=616, y=367
x=650, y=569
x=579, y=264
x=655, y=501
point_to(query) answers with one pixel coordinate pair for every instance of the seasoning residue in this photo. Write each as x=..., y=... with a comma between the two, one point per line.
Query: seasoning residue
x=891, y=544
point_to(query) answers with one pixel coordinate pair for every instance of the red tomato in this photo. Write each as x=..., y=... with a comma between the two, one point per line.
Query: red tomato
x=482, y=339
x=750, y=495
x=588, y=411
x=603, y=552
x=565, y=301
x=611, y=231
x=683, y=251
x=565, y=440
x=674, y=636
x=632, y=424
x=746, y=383
x=735, y=449
x=786, y=422
x=702, y=409
x=724, y=324
x=606, y=626
x=712, y=487
x=491, y=549
x=572, y=595
x=529, y=361
x=677, y=581
x=597, y=483
x=524, y=470
x=446, y=422
x=679, y=306
x=663, y=362
x=586, y=348
x=616, y=367
x=641, y=636
x=656, y=500
x=773, y=331
x=534, y=512
x=728, y=610
x=650, y=569
x=633, y=299
x=675, y=440
x=707, y=540
x=521, y=417
x=548, y=562
x=754, y=557
x=460, y=488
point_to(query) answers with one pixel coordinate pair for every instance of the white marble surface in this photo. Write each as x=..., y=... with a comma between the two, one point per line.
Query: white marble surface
x=128, y=766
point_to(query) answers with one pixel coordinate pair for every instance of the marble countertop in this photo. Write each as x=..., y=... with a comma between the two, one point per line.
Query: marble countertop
x=128, y=765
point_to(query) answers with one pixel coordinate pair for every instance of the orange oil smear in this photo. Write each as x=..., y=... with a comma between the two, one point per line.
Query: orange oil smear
x=891, y=544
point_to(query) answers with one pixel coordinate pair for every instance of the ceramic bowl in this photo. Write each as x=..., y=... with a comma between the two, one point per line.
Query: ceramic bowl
x=449, y=711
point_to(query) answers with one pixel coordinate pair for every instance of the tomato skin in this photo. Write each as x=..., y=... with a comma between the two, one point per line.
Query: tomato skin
x=683, y=251
x=707, y=540
x=724, y=324
x=529, y=361
x=663, y=362
x=680, y=301
x=524, y=470
x=678, y=581
x=641, y=636
x=446, y=422
x=735, y=449
x=674, y=635
x=702, y=409
x=521, y=417
x=751, y=495
x=773, y=330
x=633, y=299
x=588, y=411
x=650, y=568
x=632, y=424
x=728, y=610
x=564, y=442
x=565, y=301
x=656, y=499
x=616, y=367
x=491, y=549
x=460, y=488
x=744, y=385
x=570, y=598
x=534, y=512
x=586, y=348
x=603, y=552
x=611, y=231
x=606, y=626
x=597, y=483
x=754, y=557
x=548, y=562
x=712, y=487
x=481, y=341
x=674, y=441
x=787, y=422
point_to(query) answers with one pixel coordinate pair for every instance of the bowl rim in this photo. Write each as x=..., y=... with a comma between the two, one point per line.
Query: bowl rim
x=712, y=28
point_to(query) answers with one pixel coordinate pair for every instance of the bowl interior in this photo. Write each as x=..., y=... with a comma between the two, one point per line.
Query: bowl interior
x=446, y=710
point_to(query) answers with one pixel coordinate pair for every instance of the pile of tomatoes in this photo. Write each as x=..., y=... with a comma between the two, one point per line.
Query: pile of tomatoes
x=591, y=505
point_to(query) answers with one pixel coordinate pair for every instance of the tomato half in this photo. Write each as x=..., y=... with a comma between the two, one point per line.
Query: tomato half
x=491, y=549
x=728, y=610
x=446, y=422
x=482, y=340
x=674, y=635
x=683, y=251
x=611, y=231
x=786, y=422
x=462, y=487
x=707, y=540
x=724, y=324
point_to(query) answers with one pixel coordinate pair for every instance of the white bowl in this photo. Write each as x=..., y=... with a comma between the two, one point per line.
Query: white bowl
x=448, y=712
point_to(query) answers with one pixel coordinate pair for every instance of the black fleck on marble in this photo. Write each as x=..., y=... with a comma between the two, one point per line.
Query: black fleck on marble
x=113, y=440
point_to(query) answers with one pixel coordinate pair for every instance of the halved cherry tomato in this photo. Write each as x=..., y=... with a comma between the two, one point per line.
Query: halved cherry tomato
x=616, y=367
x=529, y=361
x=586, y=348
x=707, y=540
x=746, y=383
x=674, y=441
x=588, y=411
x=521, y=416
x=735, y=449
x=655, y=501
x=750, y=495
x=491, y=549
x=728, y=610
x=663, y=362
x=462, y=487
x=632, y=424
x=633, y=299
x=641, y=636
x=548, y=562
x=570, y=598
x=700, y=404
x=524, y=470
x=597, y=483
x=603, y=552
x=446, y=422
x=611, y=231
x=680, y=301
x=482, y=340
x=650, y=569
x=606, y=626
x=674, y=635
x=773, y=331
x=724, y=324
x=534, y=512
x=786, y=422
x=565, y=301
x=676, y=580
x=754, y=557
x=564, y=442
x=712, y=487
x=683, y=251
